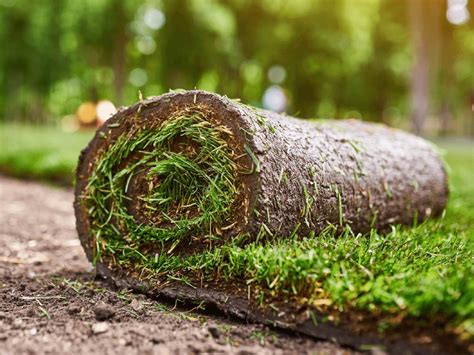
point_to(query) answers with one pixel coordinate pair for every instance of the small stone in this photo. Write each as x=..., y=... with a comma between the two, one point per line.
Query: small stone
x=101, y=327
x=136, y=305
x=73, y=309
x=214, y=331
x=103, y=312
x=157, y=339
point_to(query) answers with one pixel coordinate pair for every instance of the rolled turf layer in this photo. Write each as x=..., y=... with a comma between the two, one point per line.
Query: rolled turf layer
x=169, y=182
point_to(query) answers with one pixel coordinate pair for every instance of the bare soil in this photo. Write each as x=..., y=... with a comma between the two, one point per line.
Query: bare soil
x=52, y=302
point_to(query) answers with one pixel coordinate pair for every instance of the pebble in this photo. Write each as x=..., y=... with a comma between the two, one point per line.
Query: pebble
x=214, y=331
x=73, y=309
x=101, y=327
x=157, y=339
x=136, y=305
x=103, y=312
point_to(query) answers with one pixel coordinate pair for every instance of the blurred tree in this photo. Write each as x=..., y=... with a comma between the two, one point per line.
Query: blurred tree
x=338, y=58
x=454, y=83
x=422, y=20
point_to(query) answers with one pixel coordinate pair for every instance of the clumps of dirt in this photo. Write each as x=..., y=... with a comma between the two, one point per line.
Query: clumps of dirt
x=76, y=312
x=104, y=312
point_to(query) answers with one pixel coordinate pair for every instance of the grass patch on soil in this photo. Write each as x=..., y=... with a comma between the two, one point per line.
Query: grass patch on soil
x=425, y=271
x=39, y=152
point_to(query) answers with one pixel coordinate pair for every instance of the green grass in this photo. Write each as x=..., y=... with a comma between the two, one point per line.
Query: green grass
x=44, y=153
x=424, y=271
x=189, y=191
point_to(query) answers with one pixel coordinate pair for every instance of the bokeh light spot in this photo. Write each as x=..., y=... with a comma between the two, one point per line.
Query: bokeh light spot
x=275, y=99
x=276, y=74
x=146, y=45
x=138, y=77
x=86, y=113
x=154, y=18
x=105, y=109
x=457, y=12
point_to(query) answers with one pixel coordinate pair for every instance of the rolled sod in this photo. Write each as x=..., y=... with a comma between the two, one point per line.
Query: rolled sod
x=188, y=172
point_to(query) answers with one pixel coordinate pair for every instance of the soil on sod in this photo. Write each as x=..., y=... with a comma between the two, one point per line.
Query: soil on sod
x=52, y=302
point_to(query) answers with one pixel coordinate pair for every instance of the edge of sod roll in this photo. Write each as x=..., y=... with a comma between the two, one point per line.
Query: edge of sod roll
x=356, y=331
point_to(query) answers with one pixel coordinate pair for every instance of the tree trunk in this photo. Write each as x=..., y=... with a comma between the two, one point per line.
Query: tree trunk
x=119, y=54
x=420, y=72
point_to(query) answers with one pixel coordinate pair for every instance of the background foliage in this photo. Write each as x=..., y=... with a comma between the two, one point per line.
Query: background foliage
x=330, y=58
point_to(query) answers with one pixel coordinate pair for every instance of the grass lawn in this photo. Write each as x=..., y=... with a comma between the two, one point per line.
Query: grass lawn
x=45, y=153
x=425, y=271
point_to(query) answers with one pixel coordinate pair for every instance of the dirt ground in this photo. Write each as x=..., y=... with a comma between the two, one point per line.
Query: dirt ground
x=52, y=302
